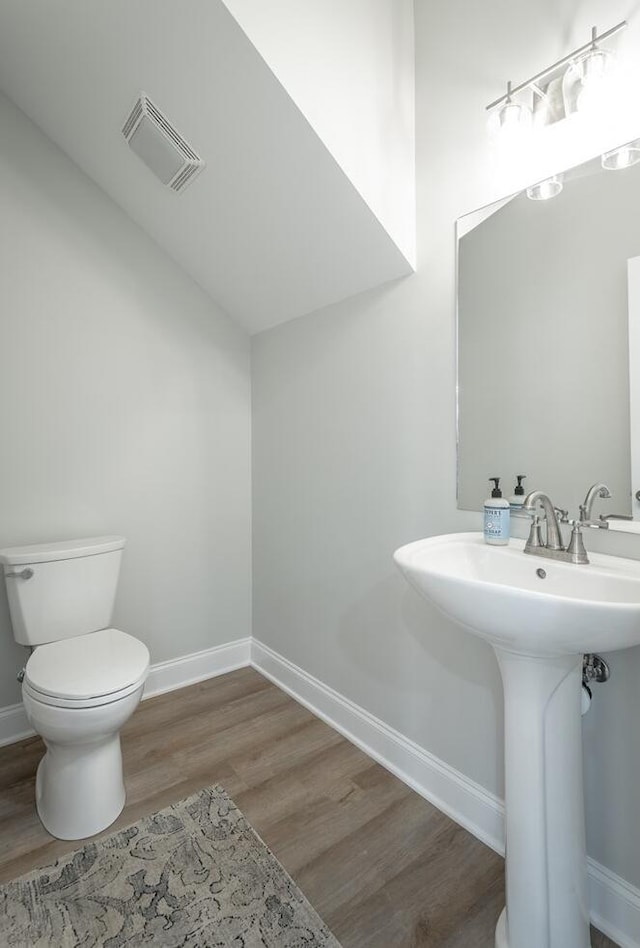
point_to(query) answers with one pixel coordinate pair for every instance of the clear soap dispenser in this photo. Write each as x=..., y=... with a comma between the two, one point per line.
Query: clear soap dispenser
x=496, y=516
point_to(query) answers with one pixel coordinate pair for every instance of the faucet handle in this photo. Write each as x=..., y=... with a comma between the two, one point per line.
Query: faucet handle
x=562, y=515
x=535, y=540
x=576, y=549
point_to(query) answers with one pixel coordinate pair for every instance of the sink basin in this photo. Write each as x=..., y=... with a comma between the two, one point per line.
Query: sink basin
x=501, y=594
x=539, y=615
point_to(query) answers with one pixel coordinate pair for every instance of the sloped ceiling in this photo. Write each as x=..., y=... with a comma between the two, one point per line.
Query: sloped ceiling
x=349, y=65
x=272, y=228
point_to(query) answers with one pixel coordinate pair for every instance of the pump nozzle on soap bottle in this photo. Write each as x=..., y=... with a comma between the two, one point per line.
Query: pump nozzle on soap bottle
x=517, y=498
x=496, y=516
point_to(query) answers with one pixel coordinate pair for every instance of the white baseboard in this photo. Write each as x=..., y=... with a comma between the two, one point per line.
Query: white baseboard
x=14, y=725
x=189, y=669
x=615, y=904
x=163, y=677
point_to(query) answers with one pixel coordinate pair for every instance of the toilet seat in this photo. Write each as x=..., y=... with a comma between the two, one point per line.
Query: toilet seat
x=88, y=670
x=69, y=703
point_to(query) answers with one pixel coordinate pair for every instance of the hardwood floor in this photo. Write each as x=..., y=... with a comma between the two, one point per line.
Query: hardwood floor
x=383, y=867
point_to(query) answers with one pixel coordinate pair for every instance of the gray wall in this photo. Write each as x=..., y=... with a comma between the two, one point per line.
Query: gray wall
x=543, y=343
x=354, y=451
x=124, y=407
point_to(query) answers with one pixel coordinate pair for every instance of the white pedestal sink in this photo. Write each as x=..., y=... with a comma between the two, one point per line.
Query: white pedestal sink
x=540, y=616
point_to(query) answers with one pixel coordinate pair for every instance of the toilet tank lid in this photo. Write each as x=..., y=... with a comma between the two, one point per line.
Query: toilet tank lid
x=61, y=550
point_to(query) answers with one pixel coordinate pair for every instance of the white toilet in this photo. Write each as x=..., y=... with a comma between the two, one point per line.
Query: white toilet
x=83, y=680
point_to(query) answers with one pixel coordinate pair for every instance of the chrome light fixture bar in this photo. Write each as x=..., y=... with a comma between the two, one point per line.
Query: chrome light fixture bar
x=534, y=81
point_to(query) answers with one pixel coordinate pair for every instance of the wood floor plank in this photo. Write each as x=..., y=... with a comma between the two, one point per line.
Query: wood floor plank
x=307, y=834
x=382, y=866
x=461, y=880
x=328, y=774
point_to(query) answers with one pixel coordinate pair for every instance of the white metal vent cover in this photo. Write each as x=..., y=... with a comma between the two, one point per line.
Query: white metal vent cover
x=162, y=148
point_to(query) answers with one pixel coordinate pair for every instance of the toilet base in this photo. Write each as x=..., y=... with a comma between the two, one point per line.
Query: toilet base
x=80, y=788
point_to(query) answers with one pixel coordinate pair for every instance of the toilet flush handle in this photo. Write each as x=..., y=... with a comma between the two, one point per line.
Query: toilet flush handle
x=26, y=573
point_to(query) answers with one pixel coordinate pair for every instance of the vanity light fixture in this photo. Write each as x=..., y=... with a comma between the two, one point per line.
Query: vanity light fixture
x=586, y=67
x=575, y=83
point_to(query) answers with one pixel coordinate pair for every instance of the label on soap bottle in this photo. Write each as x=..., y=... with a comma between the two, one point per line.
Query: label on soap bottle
x=496, y=524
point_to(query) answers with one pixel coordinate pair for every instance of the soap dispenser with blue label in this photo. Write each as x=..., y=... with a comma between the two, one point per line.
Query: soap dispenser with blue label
x=496, y=516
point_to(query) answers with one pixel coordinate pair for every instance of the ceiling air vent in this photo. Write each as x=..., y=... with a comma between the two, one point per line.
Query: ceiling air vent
x=160, y=146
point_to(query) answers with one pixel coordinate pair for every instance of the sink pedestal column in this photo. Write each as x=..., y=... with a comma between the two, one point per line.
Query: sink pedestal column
x=546, y=869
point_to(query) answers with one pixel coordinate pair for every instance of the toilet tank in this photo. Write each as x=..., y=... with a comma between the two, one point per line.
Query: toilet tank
x=59, y=590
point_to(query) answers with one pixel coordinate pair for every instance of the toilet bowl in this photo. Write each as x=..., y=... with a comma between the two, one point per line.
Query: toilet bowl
x=81, y=683
x=79, y=784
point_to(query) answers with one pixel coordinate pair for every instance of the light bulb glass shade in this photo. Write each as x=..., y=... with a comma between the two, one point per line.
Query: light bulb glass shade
x=544, y=190
x=584, y=81
x=511, y=122
x=622, y=157
x=512, y=115
x=548, y=104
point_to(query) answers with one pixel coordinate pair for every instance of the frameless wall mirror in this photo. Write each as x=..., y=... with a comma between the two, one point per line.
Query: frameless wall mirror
x=549, y=342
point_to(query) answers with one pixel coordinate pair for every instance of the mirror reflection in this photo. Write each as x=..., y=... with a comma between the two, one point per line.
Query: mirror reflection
x=546, y=293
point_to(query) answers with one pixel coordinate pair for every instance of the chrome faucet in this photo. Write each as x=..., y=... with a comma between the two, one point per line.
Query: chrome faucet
x=586, y=509
x=553, y=548
x=554, y=537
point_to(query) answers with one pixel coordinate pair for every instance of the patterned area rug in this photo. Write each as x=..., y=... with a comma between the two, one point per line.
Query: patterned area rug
x=195, y=874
